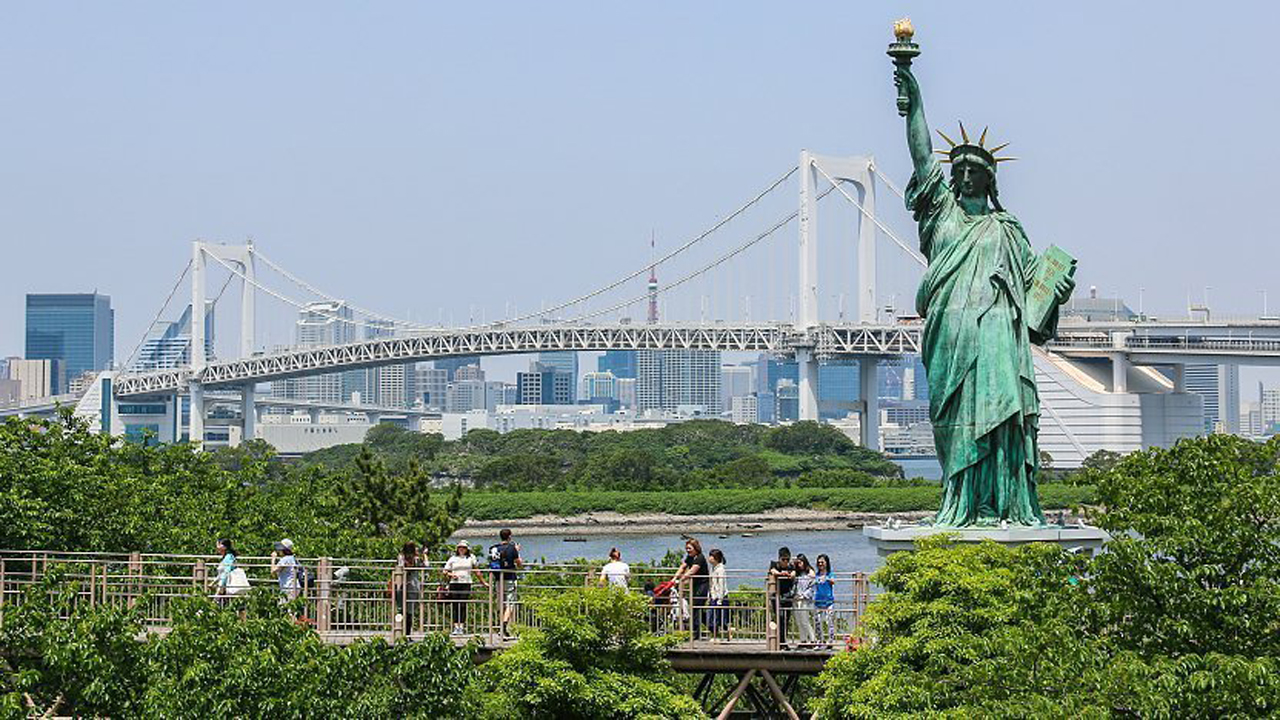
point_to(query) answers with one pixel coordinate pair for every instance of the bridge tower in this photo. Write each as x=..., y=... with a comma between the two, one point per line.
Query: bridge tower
x=858, y=171
x=241, y=256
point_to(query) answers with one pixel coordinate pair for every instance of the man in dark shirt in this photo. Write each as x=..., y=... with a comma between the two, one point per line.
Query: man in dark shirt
x=784, y=577
x=504, y=562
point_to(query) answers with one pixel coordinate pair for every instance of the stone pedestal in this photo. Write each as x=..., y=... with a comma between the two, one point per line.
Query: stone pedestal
x=888, y=540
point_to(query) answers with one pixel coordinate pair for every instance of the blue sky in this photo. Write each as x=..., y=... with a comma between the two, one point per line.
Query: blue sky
x=426, y=158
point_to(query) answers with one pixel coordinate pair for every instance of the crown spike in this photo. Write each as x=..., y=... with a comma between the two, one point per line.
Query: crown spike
x=982, y=140
x=963, y=133
x=1004, y=159
x=998, y=148
x=943, y=153
x=950, y=142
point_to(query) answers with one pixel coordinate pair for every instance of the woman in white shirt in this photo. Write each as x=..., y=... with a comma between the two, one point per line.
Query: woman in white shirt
x=615, y=573
x=459, y=570
x=718, y=622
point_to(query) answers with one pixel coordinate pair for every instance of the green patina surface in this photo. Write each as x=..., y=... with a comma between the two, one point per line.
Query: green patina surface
x=977, y=336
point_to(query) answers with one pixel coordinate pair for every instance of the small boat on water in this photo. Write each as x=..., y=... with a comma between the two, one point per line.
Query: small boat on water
x=722, y=536
x=575, y=539
x=748, y=534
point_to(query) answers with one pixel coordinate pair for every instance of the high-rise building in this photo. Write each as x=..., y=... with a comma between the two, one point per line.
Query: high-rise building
x=788, y=399
x=319, y=324
x=543, y=385
x=669, y=379
x=451, y=365
x=622, y=363
x=565, y=363
x=735, y=381
x=745, y=409
x=168, y=344
x=626, y=392
x=598, y=386
x=77, y=329
x=432, y=386
x=468, y=372
x=839, y=392
x=1269, y=410
x=1219, y=386
x=37, y=378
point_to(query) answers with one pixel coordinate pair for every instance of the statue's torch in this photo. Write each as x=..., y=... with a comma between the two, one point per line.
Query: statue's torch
x=902, y=50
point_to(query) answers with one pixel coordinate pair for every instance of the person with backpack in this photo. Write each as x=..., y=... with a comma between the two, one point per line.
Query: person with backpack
x=504, y=565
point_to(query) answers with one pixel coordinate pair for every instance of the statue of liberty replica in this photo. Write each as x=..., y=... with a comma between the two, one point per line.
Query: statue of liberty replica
x=985, y=297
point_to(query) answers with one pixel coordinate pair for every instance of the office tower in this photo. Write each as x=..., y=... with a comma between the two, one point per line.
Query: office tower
x=432, y=386
x=467, y=395
x=37, y=378
x=770, y=370
x=468, y=372
x=669, y=379
x=598, y=387
x=1219, y=386
x=451, y=365
x=565, y=363
x=10, y=391
x=735, y=381
x=320, y=324
x=788, y=400
x=622, y=363
x=77, y=329
x=543, y=385
x=168, y=344
x=839, y=392
x=1269, y=409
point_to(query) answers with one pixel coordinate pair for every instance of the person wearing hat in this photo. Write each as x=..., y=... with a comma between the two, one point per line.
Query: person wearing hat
x=459, y=571
x=284, y=565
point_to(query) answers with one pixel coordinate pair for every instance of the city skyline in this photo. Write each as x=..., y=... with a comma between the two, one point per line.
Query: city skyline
x=296, y=128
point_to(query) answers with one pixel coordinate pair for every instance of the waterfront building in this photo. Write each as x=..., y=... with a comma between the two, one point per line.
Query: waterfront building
x=10, y=391
x=598, y=386
x=626, y=388
x=468, y=372
x=838, y=388
x=669, y=379
x=1093, y=308
x=788, y=401
x=432, y=384
x=76, y=329
x=1268, y=410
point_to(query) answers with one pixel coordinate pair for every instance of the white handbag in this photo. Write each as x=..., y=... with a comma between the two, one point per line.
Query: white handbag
x=237, y=582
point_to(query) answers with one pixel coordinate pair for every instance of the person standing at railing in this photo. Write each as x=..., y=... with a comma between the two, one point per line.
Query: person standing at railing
x=505, y=562
x=824, y=600
x=718, y=594
x=410, y=563
x=784, y=577
x=805, y=587
x=460, y=570
x=284, y=565
x=226, y=566
x=615, y=573
x=696, y=570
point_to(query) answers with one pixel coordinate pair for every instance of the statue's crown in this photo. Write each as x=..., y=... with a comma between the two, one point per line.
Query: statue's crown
x=969, y=151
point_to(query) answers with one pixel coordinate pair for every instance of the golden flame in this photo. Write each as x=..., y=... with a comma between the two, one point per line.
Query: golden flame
x=903, y=30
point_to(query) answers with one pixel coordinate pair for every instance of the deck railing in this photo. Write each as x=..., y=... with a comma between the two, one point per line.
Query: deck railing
x=350, y=598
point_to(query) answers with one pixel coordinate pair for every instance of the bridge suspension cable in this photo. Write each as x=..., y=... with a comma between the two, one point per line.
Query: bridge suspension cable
x=915, y=254
x=706, y=268
x=159, y=314
x=654, y=263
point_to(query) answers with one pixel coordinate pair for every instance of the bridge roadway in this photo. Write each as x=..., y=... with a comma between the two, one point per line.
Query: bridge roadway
x=1151, y=343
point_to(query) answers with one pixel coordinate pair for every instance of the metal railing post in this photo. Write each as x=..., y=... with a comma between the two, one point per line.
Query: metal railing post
x=770, y=611
x=199, y=576
x=397, y=604
x=4, y=588
x=324, y=584
x=134, y=586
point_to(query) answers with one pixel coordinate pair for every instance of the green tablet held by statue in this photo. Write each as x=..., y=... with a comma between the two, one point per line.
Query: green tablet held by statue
x=1052, y=268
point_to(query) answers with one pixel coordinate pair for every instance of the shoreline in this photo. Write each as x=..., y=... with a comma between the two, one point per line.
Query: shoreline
x=612, y=523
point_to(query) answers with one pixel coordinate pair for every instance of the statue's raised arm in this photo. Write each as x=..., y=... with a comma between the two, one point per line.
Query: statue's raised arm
x=918, y=140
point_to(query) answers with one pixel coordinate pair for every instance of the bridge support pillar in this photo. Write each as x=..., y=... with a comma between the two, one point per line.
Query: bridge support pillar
x=869, y=388
x=249, y=413
x=808, y=367
x=1180, y=378
x=1119, y=373
x=195, y=428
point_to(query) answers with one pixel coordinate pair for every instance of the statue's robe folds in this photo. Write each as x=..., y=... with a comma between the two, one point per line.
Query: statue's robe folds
x=977, y=356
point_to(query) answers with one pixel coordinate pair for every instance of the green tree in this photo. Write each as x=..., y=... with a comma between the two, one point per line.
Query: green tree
x=592, y=658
